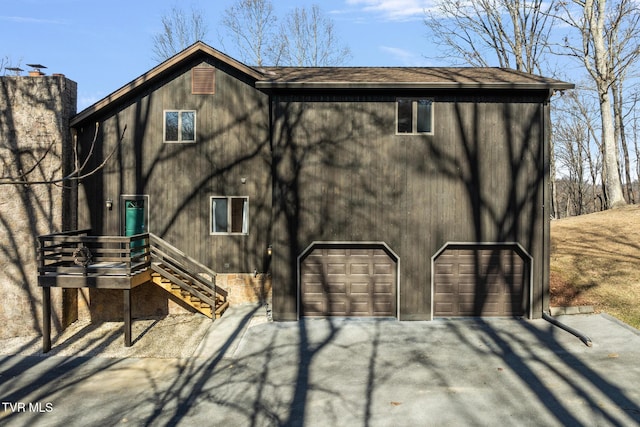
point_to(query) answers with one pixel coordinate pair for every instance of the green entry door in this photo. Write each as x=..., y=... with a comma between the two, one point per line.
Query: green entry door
x=134, y=218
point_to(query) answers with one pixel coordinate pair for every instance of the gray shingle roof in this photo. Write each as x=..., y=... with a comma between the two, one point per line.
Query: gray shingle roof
x=418, y=77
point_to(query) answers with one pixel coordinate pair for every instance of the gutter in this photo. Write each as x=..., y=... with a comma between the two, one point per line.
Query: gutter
x=271, y=84
x=585, y=339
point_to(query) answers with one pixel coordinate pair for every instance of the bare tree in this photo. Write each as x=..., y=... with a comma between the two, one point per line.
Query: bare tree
x=607, y=46
x=251, y=26
x=572, y=141
x=507, y=33
x=577, y=116
x=310, y=39
x=306, y=36
x=179, y=30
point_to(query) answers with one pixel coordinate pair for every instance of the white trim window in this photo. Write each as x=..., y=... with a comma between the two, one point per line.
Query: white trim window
x=414, y=116
x=179, y=126
x=229, y=215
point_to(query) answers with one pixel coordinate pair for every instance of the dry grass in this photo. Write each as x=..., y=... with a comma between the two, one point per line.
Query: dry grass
x=595, y=260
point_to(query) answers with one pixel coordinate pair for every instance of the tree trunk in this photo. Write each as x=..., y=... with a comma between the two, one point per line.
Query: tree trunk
x=613, y=185
x=621, y=136
x=601, y=74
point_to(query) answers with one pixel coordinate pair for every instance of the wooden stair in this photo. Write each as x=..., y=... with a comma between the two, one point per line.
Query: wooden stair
x=186, y=279
x=191, y=298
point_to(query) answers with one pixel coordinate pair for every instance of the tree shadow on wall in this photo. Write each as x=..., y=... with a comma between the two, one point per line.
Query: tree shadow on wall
x=33, y=160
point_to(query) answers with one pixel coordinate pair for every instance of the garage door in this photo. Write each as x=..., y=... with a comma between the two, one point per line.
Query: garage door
x=348, y=280
x=479, y=281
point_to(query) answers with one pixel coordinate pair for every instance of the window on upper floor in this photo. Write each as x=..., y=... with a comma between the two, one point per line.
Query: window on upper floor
x=229, y=215
x=414, y=116
x=179, y=126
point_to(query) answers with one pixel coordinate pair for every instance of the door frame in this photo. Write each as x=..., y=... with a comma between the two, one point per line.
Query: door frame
x=353, y=244
x=515, y=246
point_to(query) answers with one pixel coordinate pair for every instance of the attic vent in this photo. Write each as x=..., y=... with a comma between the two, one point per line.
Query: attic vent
x=203, y=81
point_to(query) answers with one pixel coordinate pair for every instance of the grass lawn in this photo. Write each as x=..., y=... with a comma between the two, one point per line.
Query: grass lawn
x=595, y=260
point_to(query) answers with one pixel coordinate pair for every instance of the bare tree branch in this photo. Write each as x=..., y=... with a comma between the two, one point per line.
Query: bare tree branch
x=78, y=173
x=251, y=24
x=180, y=29
x=507, y=33
x=310, y=39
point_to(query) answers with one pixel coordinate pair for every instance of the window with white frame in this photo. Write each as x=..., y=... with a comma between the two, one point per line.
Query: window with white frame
x=229, y=215
x=414, y=116
x=179, y=126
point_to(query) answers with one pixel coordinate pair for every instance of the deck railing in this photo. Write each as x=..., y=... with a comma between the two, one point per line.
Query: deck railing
x=75, y=252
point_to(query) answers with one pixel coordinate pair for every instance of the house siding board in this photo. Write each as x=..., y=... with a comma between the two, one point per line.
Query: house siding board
x=231, y=143
x=330, y=167
x=475, y=180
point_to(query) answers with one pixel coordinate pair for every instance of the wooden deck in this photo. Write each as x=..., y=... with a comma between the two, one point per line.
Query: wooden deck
x=77, y=260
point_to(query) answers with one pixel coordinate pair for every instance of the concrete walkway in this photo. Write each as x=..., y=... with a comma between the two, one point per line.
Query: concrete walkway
x=249, y=372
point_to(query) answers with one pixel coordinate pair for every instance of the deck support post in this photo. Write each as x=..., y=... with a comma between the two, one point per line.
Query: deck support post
x=127, y=317
x=46, y=319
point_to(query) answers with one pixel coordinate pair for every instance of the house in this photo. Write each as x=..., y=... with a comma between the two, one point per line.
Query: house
x=402, y=192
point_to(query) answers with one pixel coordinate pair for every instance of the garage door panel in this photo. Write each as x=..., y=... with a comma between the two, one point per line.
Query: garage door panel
x=312, y=268
x=444, y=288
x=313, y=287
x=488, y=309
x=359, y=268
x=333, y=252
x=336, y=268
x=381, y=269
x=338, y=306
x=489, y=288
x=497, y=274
x=384, y=288
x=443, y=307
x=354, y=281
x=443, y=269
x=360, y=288
x=359, y=308
x=314, y=308
x=336, y=288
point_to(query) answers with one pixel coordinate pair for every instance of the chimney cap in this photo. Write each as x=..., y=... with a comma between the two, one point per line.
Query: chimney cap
x=16, y=70
x=36, y=66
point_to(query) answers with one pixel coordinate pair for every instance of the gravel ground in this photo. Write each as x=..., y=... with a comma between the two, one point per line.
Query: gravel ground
x=174, y=336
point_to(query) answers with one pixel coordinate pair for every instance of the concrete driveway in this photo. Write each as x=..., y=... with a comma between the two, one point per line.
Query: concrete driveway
x=249, y=372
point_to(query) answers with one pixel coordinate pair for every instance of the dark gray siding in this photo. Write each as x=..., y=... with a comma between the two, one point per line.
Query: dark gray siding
x=232, y=146
x=342, y=174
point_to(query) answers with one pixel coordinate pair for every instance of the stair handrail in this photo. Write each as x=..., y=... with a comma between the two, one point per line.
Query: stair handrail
x=195, y=265
x=195, y=291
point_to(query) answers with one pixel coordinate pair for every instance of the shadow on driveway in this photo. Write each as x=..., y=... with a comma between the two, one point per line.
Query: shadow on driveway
x=346, y=372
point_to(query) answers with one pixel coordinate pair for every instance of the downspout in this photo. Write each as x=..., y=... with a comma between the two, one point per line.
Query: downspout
x=545, y=207
x=585, y=339
x=546, y=226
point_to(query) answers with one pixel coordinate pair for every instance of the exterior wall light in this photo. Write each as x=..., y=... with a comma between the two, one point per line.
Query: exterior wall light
x=108, y=204
x=269, y=250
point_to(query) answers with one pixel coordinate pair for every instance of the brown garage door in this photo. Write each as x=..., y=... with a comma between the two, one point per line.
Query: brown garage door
x=479, y=281
x=348, y=280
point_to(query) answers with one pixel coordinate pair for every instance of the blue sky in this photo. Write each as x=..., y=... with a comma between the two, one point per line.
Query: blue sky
x=103, y=45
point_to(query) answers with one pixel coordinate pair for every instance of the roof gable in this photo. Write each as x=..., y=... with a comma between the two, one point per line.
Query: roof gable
x=198, y=49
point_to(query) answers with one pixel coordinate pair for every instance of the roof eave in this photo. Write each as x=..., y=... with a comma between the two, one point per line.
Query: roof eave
x=415, y=85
